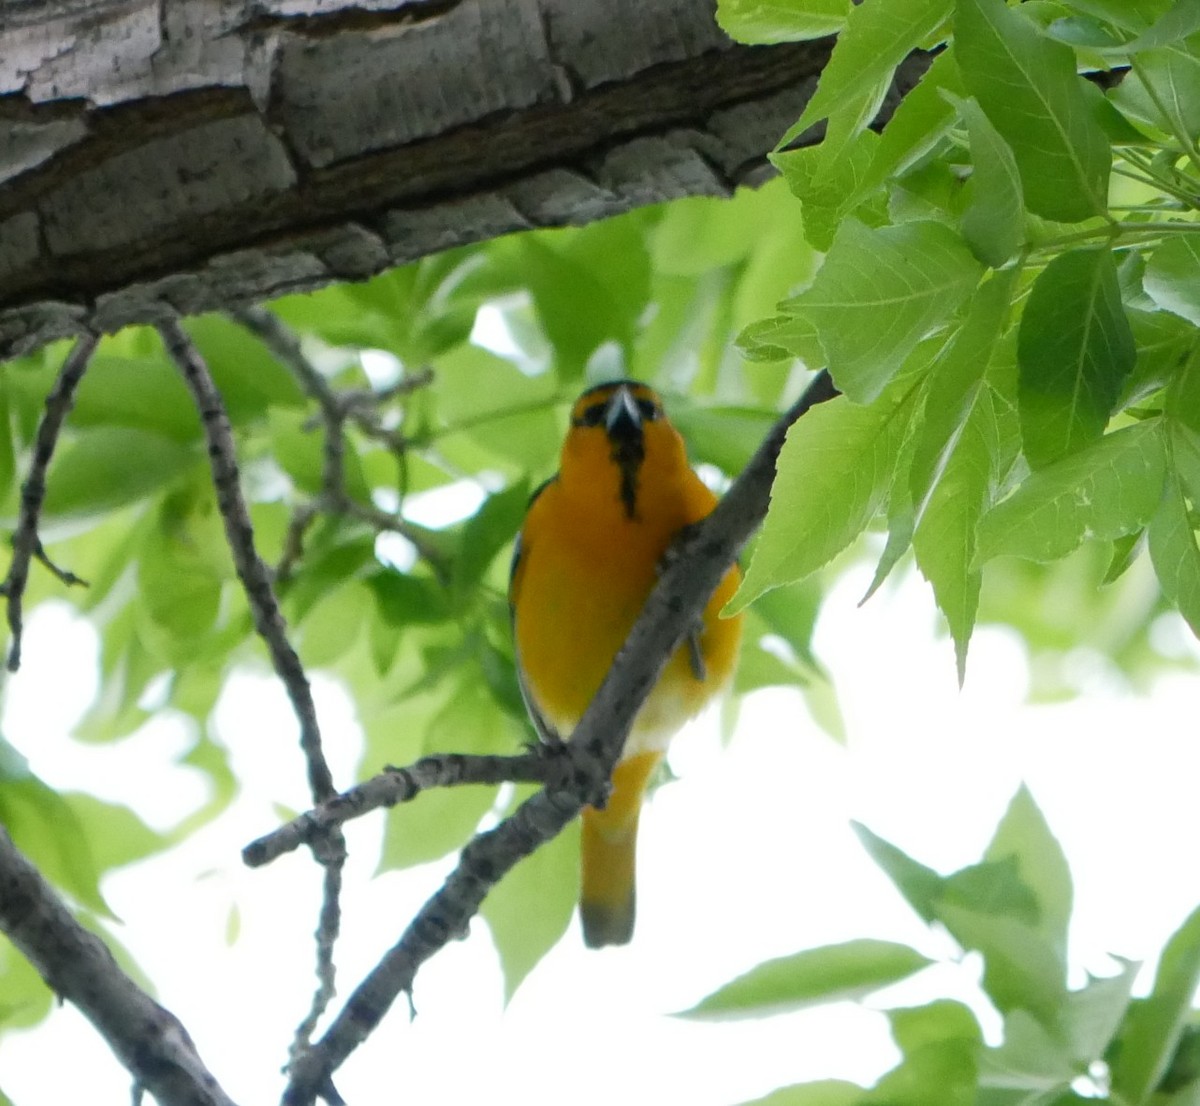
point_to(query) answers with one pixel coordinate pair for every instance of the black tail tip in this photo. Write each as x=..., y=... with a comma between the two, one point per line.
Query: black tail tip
x=605, y=925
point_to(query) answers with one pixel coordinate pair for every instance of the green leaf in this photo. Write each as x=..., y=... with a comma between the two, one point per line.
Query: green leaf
x=781, y=338
x=147, y=393
x=531, y=907
x=963, y=447
x=825, y=1092
x=1032, y=1059
x=920, y=886
x=1024, y=835
x=1094, y=1013
x=1075, y=349
x=1021, y=969
x=721, y=436
x=402, y=600
x=831, y=185
x=920, y=121
x=1173, y=277
x=762, y=22
x=1168, y=81
x=994, y=221
x=879, y=293
x=700, y=233
x=1153, y=1027
x=1029, y=88
x=437, y=822
x=1174, y=554
x=844, y=971
x=248, y=377
x=605, y=265
x=834, y=471
x=25, y=999
x=1106, y=491
x=486, y=532
x=43, y=825
x=1177, y=22
x=333, y=624
x=941, y=1045
x=115, y=835
x=110, y=466
x=876, y=38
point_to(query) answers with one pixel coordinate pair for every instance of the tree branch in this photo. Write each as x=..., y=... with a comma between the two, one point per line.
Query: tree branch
x=330, y=850
x=337, y=408
x=25, y=541
x=147, y=1038
x=705, y=554
x=400, y=785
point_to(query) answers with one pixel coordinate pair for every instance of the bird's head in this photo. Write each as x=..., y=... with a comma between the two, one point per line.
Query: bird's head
x=620, y=428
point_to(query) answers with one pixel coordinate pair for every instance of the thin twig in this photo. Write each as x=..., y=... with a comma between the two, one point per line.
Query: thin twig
x=594, y=747
x=25, y=541
x=337, y=408
x=148, y=1039
x=330, y=850
x=399, y=785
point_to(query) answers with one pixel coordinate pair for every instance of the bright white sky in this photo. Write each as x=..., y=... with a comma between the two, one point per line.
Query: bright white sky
x=748, y=856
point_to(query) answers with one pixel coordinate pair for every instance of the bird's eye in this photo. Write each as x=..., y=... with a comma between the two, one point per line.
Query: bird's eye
x=592, y=415
x=649, y=409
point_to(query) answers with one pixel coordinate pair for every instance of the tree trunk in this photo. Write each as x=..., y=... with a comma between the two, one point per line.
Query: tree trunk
x=163, y=158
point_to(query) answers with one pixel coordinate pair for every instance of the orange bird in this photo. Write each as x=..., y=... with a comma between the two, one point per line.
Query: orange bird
x=586, y=560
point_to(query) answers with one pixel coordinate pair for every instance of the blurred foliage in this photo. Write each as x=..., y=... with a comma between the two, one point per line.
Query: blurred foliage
x=1061, y=1046
x=1003, y=283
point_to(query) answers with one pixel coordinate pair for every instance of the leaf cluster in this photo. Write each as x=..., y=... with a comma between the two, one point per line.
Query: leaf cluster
x=1007, y=298
x=1011, y=910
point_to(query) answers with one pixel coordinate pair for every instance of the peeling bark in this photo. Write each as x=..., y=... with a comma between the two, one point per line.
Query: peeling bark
x=165, y=158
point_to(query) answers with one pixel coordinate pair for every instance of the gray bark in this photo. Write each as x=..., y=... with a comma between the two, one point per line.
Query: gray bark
x=161, y=157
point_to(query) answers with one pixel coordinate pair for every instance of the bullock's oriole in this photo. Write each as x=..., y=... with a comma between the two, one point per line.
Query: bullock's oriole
x=586, y=560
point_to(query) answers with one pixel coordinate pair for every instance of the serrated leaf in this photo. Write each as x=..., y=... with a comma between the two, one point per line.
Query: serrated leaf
x=875, y=39
x=844, y=971
x=879, y=293
x=1074, y=349
x=1106, y=491
x=531, y=907
x=834, y=471
x=1153, y=1027
x=1173, y=277
x=1173, y=552
x=920, y=886
x=1029, y=88
x=830, y=186
x=920, y=122
x=762, y=22
x=993, y=223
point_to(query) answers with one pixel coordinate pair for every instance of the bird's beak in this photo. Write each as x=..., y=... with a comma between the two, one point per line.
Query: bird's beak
x=622, y=419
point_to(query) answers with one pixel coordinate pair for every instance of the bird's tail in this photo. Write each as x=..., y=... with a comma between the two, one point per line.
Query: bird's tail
x=609, y=851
